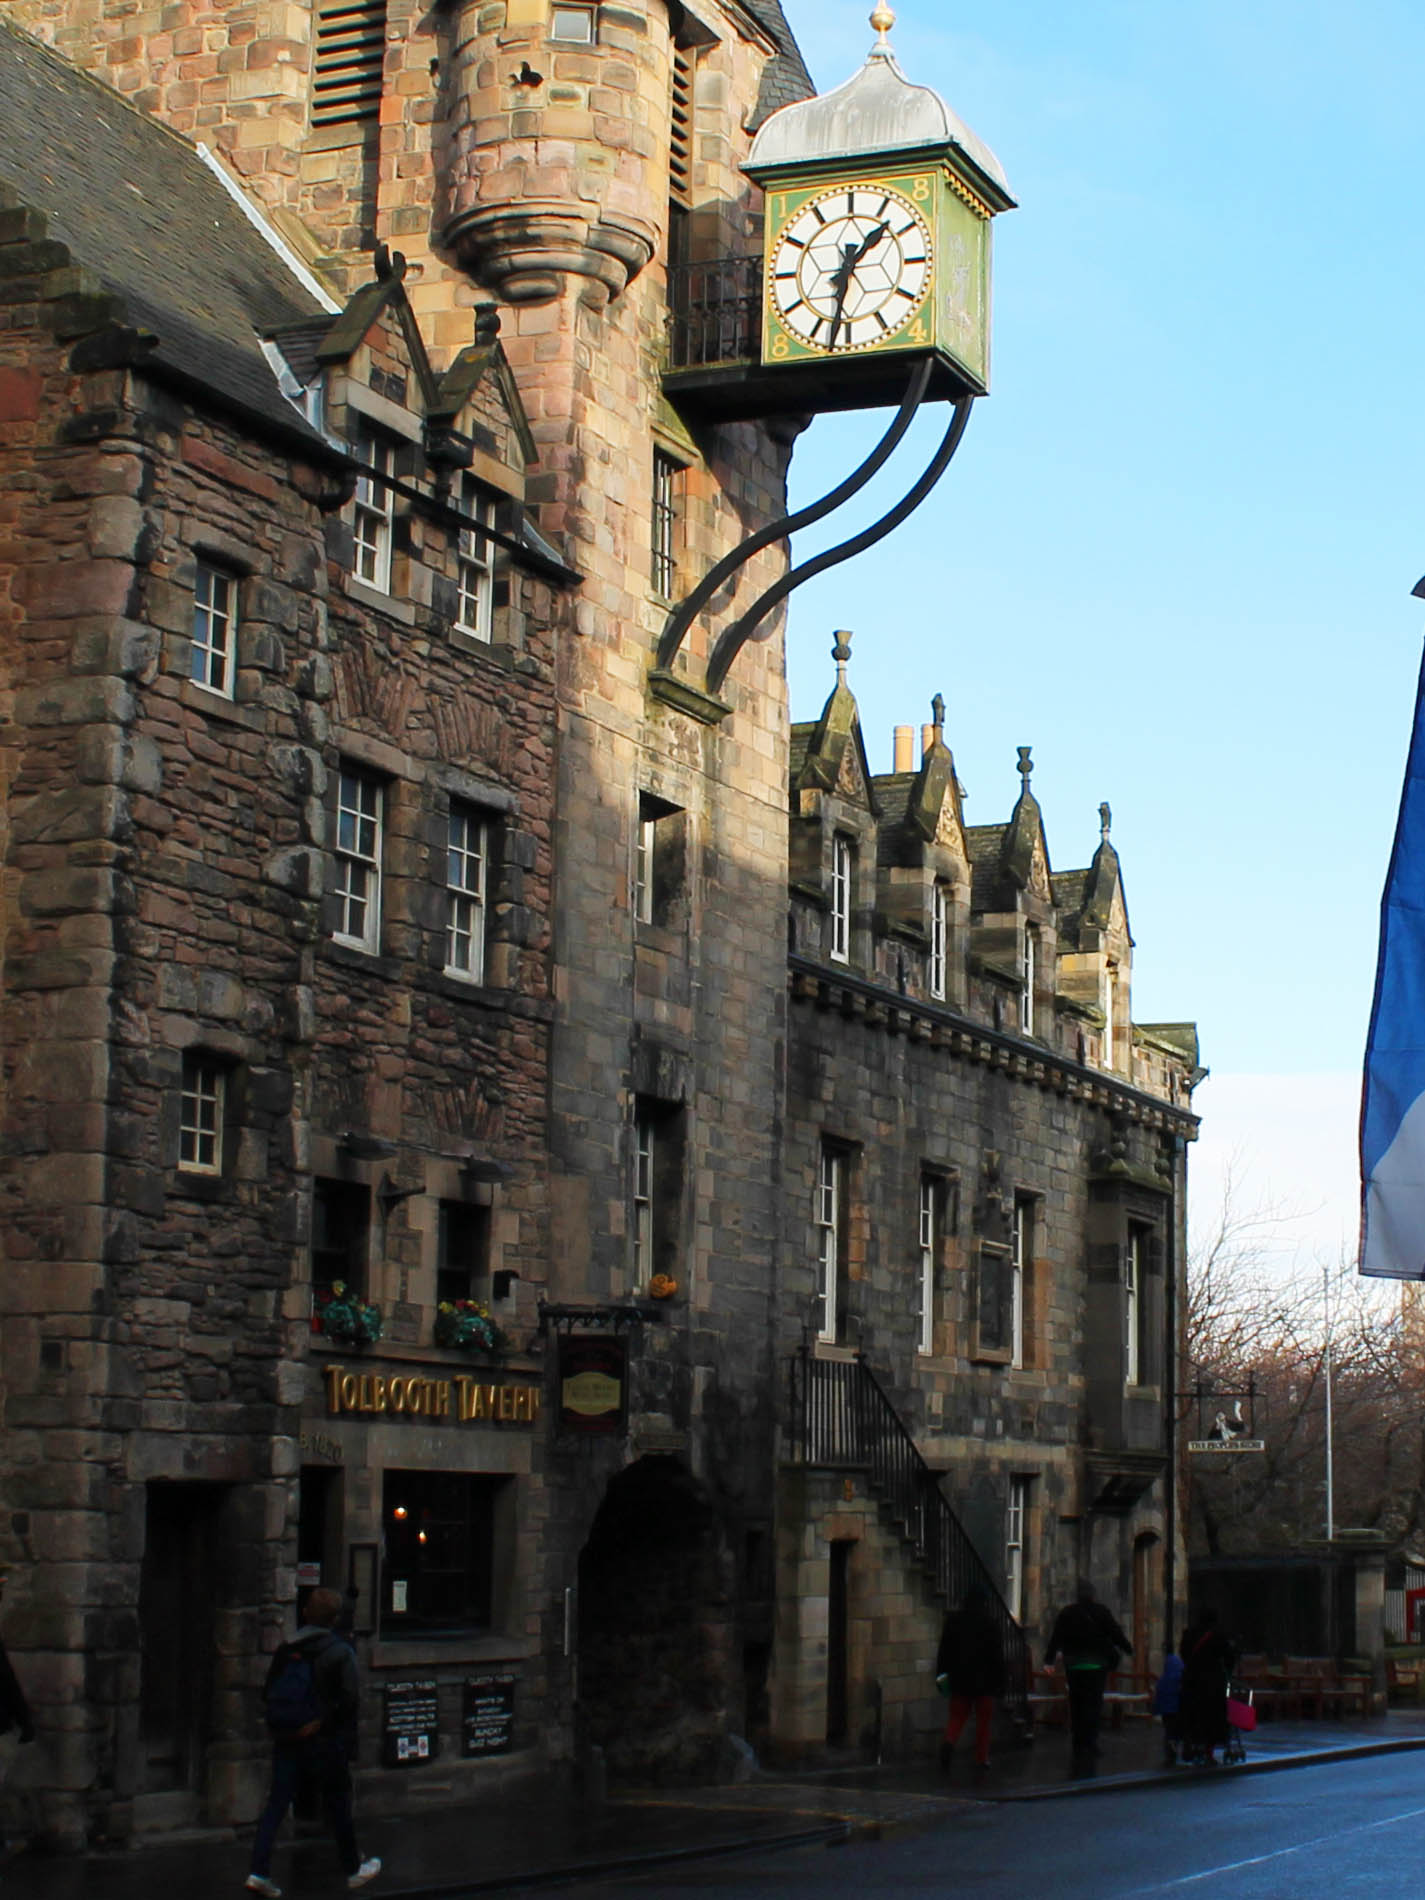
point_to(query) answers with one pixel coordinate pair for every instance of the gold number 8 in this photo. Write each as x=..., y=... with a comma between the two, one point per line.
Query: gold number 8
x=921, y=191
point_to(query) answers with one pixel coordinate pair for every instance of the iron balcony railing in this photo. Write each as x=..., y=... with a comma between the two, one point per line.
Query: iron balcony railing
x=842, y=1417
x=715, y=312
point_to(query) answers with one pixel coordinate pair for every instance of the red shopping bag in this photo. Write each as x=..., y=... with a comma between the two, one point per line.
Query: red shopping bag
x=1241, y=1714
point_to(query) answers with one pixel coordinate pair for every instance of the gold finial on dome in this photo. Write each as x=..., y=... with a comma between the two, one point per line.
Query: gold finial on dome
x=883, y=20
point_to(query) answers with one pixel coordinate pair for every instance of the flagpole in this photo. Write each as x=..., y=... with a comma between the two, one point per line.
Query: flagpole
x=1330, y=1487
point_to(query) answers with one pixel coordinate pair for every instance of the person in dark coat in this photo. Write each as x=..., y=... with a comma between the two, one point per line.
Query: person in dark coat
x=969, y=1664
x=1090, y=1641
x=1207, y=1656
x=321, y=1752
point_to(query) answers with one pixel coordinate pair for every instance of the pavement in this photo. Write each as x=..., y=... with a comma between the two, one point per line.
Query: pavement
x=537, y=1832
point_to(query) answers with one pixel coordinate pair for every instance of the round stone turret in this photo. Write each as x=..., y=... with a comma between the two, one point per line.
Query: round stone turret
x=557, y=157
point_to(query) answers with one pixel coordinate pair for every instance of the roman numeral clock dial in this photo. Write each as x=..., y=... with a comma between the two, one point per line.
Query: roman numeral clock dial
x=850, y=268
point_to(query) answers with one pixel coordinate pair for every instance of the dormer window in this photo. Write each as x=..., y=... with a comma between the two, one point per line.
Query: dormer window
x=939, y=939
x=374, y=510
x=475, y=577
x=843, y=861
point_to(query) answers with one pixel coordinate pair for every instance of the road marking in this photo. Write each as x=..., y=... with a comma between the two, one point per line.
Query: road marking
x=1258, y=1860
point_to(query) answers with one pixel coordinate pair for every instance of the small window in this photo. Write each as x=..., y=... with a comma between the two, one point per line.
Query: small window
x=665, y=524
x=463, y=1258
x=466, y=877
x=929, y=1238
x=213, y=659
x=1015, y=1539
x=644, y=1141
x=200, y=1120
x=829, y=1221
x=475, y=577
x=374, y=510
x=843, y=862
x=1029, y=976
x=360, y=819
x=1021, y=1254
x=439, y=1570
x=1109, y=1027
x=578, y=24
x=350, y=53
x=939, y=939
x=1134, y=1260
x=340, y=1217
x=659, y=862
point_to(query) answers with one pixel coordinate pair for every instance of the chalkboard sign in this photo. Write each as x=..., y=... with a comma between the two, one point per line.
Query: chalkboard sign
x=489, y=1716
x=410, y=1731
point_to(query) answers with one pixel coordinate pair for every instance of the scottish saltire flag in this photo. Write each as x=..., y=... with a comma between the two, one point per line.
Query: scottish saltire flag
x=1393, y=1101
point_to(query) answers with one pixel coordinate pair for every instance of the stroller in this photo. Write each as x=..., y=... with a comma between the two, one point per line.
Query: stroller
x=1241, y=1720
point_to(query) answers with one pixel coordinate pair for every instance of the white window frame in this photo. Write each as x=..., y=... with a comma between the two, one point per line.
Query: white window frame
x=929, y=1229
x=644, y=838
x=587, y=13
x=475, y=565
x=1022, y=1240
x=202, y=1103
x=843, y=862
x=374, y=512
x=644, y=1139
x=1132, y=1305
x=361, y=824
x=212, y=659
x=1029, y=977
x=827, y=1219
x=939, y=939
x=1016, y=1525
x=664, y=550
x=467, y=865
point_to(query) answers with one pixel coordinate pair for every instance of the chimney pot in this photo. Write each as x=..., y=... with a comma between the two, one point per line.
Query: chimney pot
x=927, y=740
x=904, y=748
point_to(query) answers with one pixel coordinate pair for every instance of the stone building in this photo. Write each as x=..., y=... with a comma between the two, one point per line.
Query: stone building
x=378, y=914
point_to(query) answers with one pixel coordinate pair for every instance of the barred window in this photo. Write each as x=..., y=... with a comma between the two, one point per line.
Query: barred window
x=665, y=523
x=929, y=1193
x=200, y=1120
x=350, y=53
x=830, y=1224
x=644, y=1137
x=360, y=819
x=939, y=934
x=214, y=625
x=467, y=862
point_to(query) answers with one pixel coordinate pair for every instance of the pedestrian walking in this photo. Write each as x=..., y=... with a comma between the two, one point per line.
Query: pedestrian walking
x=1208, y=1655
x=1090, y=1641
x=1167, y=1705
x=312, y=1697
x=969, y=1666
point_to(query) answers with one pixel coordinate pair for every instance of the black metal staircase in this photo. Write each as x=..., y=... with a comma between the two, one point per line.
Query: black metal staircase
x=842, y=1418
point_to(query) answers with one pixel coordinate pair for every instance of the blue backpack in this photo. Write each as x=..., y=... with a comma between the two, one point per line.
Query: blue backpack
x=292, y=1702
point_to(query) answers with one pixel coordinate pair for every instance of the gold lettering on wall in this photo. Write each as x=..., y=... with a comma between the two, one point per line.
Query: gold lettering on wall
x=467, y=1400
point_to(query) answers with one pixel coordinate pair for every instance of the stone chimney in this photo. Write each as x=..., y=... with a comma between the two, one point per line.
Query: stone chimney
x=903, y=747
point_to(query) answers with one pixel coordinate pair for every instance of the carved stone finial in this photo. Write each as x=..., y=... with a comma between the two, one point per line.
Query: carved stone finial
x=882, y=19
x=841, y=653
x=1026, y=764
x=937, y=714
x=1105, y=821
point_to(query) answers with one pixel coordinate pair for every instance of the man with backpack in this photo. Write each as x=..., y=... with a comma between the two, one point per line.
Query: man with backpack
x=312, y=1699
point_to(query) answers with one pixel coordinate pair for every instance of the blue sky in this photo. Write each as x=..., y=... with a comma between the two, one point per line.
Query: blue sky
x=1175, y=550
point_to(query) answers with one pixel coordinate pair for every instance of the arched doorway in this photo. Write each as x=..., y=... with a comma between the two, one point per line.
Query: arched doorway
x=656, y=1648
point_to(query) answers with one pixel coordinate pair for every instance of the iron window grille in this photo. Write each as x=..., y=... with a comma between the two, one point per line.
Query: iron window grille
x=665, y=524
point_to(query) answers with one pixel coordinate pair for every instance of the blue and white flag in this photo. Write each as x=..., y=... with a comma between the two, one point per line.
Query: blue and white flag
x=1393, y=1101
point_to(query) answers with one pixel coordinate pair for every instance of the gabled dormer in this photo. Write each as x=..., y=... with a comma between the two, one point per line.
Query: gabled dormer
x=832, y=845
x=1095, y=974
x=1014, y=924
x=924, y=883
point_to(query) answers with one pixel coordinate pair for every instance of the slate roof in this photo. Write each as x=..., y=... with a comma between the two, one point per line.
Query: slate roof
x=785, y=79
x=139, y=209
x=985, y=846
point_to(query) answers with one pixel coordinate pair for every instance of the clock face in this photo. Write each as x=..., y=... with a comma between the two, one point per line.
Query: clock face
x=850, y=268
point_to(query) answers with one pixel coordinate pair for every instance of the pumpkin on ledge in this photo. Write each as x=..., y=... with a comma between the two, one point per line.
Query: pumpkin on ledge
x=662, y=1286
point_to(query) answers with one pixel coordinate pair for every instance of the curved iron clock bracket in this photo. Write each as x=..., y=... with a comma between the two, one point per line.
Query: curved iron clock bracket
x=702, y=703
x=683, y=615
x=737, y=635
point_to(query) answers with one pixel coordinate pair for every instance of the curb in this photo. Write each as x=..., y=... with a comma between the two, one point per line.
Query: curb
x=1163, y=1779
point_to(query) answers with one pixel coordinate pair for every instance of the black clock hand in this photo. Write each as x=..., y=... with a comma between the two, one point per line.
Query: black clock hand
x=868, y=244
x=851, y=256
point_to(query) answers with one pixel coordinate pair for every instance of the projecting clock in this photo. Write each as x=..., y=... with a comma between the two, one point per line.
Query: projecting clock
x=850, y=268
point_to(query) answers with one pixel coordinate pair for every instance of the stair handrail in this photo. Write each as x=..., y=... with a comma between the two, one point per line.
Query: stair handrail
x=867, y=1431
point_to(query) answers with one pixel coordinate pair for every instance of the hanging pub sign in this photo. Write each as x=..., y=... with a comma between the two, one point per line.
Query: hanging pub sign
x=1221, y=1425
x=410, y=1725
x=593, y=1384
x=488, y=1716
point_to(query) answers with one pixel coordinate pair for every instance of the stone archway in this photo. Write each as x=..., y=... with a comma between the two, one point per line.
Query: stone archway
x=656, y=1636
